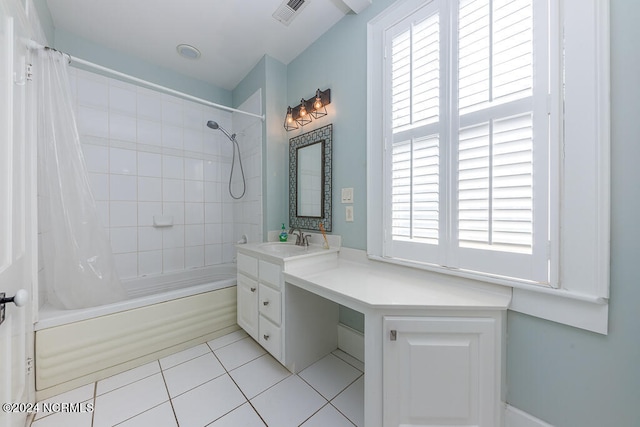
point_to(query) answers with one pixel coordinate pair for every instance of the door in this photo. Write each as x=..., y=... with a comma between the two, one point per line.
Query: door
x=440, y=371
x=248, y=305
x=17, y=221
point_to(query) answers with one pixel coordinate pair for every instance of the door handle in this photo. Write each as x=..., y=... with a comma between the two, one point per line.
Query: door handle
x=19, y=299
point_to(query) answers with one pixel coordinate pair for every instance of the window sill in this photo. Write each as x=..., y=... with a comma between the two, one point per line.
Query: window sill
x=575, y=309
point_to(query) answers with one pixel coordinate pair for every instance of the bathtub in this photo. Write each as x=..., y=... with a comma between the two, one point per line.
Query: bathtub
x=163, y=315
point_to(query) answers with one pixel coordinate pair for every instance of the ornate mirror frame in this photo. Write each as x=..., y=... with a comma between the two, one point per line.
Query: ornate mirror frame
x=322, y=135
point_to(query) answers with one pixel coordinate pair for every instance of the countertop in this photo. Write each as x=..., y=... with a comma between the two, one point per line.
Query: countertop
x=362, y=283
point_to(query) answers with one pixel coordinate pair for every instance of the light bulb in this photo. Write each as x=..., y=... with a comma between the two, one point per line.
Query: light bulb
x=318, y=103
x=303, y=109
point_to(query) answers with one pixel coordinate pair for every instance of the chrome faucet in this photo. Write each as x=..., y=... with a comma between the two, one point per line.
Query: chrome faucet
x=300, y=237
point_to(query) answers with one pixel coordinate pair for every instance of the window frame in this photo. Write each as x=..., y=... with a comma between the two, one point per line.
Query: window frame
x=579, y=236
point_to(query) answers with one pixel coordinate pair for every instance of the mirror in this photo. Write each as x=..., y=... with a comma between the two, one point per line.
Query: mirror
x=310, y=179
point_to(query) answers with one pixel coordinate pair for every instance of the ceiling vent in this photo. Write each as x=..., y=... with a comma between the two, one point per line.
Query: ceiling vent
x=288, y=10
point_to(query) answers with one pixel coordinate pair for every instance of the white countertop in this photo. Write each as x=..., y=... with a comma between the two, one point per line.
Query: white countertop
x=373, y=284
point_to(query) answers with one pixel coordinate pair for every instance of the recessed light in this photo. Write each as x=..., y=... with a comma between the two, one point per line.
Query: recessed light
x=188, y=51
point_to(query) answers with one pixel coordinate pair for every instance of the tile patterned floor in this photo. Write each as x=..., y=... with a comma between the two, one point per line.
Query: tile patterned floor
x=227, y=382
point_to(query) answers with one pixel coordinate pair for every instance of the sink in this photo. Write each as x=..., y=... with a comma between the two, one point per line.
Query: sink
x=282, y=249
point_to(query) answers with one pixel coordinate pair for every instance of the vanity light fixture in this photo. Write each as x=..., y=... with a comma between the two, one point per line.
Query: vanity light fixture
x=289, y=123
x=303, y=117
x=303, y=113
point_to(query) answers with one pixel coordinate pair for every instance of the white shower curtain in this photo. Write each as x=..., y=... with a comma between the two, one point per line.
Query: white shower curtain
x=79, y=270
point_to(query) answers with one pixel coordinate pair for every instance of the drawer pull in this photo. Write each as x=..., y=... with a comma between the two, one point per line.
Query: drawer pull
x=253, y=289
x=266, y=337
x=265, y=302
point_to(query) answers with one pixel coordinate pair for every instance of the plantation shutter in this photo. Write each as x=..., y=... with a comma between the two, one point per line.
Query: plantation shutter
x=468, y=172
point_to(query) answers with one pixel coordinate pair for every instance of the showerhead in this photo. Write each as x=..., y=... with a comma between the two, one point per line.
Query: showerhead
x=214, y=125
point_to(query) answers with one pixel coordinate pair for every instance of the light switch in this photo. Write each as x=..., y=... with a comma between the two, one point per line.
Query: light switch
x=349, y=213
x=347, y=195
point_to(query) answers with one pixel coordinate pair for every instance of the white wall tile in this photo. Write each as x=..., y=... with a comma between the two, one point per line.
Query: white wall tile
x=149, y=238
x=123, y=187
x=173, y=259
x=96, y=158
x=228, y=235
x=175, y=209
x=123, y=162
x=172, y=190
x=211, y=171
x=149, y=189
x=194, y=191
x=99, y=186
x=172, y=112
x=213, y=213
x=103, y=212
x=194, y=169
x=173, y=237
x=211, y=142
x=192, y=140
x=213, y=234
x=194, y=235
x=213, y=192
x=149, y=132
x=122, y=127
x=126, y=265
x=124, y=239
x=194, y=213
x=123, y=100
x=93, y=122
x=172, y=167
x=194, y=256
x=146, y=211
x=149, y=164
x=123, y=214
x=149, y=105
x=193, y=117
x=92, y=92
x=228, y=252
x=150, y=262
x=172, y=136
x=212, y=254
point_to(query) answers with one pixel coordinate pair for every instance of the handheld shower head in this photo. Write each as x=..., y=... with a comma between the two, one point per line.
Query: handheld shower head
x=214, y=125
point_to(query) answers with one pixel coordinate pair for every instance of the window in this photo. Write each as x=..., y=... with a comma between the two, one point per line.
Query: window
x=476, y=145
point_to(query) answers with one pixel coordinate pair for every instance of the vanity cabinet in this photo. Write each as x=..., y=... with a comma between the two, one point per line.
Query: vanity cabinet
x=442, y=370
x=260, y=302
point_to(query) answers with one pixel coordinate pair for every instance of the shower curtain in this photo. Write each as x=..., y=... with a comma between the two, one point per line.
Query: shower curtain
x=79, y=269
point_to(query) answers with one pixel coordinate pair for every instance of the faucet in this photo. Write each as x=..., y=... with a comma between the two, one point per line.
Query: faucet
x=300, y=237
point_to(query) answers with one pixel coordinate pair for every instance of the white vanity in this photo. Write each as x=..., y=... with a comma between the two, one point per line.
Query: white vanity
x=433, y=344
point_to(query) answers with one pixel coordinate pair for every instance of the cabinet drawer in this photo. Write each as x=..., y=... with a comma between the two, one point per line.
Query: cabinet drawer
x=247, y=265
x=270, y=273
x=270, y=337
x=269, y=303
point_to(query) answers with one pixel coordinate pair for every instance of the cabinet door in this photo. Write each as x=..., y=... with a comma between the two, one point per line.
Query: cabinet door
x=440, y=371
x=248, y=305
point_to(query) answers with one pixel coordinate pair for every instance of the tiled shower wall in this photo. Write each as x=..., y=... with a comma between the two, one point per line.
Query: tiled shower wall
x=151, y=154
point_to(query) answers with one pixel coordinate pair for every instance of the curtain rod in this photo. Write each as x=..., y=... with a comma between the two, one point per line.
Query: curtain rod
x=165, y=89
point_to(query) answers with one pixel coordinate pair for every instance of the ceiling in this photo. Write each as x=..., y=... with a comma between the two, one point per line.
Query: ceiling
x=232, y=35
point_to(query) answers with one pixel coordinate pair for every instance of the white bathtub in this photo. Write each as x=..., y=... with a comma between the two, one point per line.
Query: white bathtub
x=164, y=315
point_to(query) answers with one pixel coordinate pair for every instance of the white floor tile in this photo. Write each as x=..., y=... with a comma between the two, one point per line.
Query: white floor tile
x=227, y=339
x=160, y=416
x=187, y=375
x=128, y=401
x=77, y=395
x=349, y=359
x=207, y=402
x=351, y=402
x=327, y=416
x=243, y=416
x=288, y=403
x=65, y=419
x=239, y=353
x=132, y=375
x=258, y=375
x=330, y=375
x=184, y=356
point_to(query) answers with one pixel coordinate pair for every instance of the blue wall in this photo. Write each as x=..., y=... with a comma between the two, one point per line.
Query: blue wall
x=565, y=376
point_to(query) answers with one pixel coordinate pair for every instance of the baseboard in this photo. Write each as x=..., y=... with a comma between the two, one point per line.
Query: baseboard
x=351, y=341
x=514, y=417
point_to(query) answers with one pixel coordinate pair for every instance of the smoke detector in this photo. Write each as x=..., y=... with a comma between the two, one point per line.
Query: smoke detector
x=288, y=10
